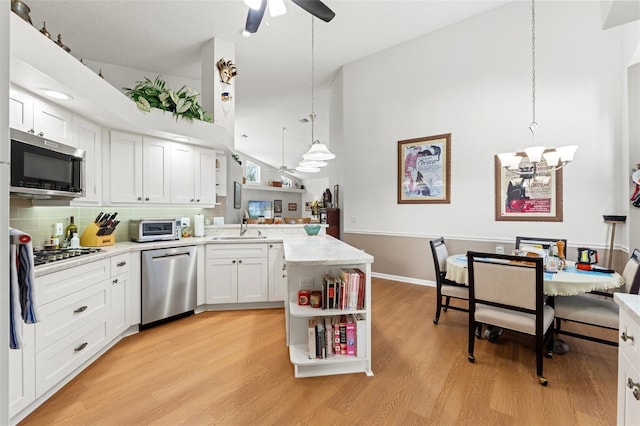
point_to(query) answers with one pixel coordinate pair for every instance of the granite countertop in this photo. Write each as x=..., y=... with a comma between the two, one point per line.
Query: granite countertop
x=630, y=303
x=298, y=247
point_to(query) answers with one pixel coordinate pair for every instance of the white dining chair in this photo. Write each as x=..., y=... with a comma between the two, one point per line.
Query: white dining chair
x=595, y=310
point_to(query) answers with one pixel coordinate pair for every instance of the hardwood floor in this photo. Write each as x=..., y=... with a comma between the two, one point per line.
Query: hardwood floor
x=233, y=368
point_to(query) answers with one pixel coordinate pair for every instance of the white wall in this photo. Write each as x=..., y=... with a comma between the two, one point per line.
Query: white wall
x=4, y=212
x=473, y=80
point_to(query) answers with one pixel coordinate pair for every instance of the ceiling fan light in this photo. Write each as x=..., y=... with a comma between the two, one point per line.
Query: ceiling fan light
x=305, y=169
x=566, y=152
x=313, y=163
x=319, y=151
x=276, y=8
x=253, y=4
x=534, y=153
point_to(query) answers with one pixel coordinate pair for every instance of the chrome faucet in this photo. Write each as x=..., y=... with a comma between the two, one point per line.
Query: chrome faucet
x=243, y=226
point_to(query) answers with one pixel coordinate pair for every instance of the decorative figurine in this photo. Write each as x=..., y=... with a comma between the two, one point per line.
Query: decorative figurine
x=227, y=70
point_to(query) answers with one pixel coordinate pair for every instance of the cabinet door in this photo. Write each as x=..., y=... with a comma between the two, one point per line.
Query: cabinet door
x=156, y=171
x=628, y=404
x=182, y=173
x=221, y=281
x=20, y=110
x=118, y=305
x=87, y=136
x=276, y=272
x=51, y=121
x=253, y=279
x=205, y=176
x=125, y=168
x=221, y=175
x=22, y=379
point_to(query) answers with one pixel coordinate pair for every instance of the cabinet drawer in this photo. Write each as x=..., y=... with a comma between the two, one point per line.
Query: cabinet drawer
x=61, y=358
x=65, y=315
x=59, y=284
x=120, y=264
x=631, y=332
x=221, y=251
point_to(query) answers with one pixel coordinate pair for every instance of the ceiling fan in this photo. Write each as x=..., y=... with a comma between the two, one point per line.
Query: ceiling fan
x=276, y=8
x=284, y=168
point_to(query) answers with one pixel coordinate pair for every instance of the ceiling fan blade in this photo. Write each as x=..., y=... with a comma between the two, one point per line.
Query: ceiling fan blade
x=254, y=17
x=316, y=8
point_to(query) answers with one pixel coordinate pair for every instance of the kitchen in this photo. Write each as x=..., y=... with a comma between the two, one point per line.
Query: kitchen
x=372, y=208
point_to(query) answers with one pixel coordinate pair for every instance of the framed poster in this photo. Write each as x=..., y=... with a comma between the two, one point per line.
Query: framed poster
x=293, y=207
x=277, y=206
x=522, y=197
x=237, y=195
x=424, y=170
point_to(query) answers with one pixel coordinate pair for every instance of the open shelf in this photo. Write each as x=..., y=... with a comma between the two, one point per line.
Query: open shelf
x=272, y=189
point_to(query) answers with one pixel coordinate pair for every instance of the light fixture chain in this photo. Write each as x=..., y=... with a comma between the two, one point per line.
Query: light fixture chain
x=533, y=67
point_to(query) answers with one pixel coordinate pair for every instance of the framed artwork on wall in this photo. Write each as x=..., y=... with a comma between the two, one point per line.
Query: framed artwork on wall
x=277, y=206
x=237, y=195
x=293, y=207
x=424, y=170
x=522, y=197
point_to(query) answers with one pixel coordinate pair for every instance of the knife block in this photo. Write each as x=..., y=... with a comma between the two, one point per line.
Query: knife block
x=90, y=239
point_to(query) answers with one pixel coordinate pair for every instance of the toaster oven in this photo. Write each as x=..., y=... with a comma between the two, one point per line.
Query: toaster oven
x=144, y=230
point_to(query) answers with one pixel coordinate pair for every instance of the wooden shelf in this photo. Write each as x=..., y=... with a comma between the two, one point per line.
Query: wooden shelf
x=272, y=189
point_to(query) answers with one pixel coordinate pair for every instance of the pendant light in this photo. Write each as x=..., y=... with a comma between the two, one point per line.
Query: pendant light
x=555, y=159
x=318, y=150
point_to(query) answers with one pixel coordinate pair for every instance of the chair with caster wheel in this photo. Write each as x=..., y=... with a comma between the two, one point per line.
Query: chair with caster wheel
x=506, y=292
x=445, y=288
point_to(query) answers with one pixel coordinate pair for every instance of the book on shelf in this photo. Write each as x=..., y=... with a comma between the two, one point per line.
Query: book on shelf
x=328, y=340
x=312, y=338
x=343, y=335
x=335, y=323
x=351, y=335
x=320, y=340
x=361, y=336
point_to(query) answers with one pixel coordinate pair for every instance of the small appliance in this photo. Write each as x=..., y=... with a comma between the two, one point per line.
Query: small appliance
x=587, y=256
x=144, y=230
x=42, y=168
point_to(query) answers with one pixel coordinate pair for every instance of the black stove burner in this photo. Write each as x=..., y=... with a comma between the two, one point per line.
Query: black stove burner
x=41, y=257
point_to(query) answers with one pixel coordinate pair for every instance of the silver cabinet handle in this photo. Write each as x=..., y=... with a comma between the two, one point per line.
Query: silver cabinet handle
x=31, y=131
x=192, y=200
x=121, y=264
x=115, y=281
x=41, y=134
x=239, y=261
x=233, y=261
x=81, y=347
x=626, y=337
x=146, y=199
x=139, y=198
x=80, y=309
x=198, y=200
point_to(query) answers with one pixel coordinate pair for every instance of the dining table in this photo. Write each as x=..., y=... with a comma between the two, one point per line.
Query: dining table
x=569, y=281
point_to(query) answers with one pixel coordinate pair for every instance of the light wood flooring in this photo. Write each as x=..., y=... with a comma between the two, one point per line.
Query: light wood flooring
x=232, y=368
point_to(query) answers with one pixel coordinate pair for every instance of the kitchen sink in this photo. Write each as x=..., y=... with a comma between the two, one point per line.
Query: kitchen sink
x=238, y=237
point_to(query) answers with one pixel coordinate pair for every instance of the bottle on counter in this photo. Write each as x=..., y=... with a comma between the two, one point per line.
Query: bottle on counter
x=75, y=241
x=71, y=229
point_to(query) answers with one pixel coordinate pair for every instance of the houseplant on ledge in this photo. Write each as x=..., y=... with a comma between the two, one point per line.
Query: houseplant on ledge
x=183, y=103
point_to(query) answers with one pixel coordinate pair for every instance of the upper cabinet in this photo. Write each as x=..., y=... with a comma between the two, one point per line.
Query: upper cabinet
x=87, y=136
x=221, y=174
x=193, y=176
x=31, y=114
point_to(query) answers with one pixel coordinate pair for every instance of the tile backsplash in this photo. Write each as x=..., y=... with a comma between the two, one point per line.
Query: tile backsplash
x=39, y=221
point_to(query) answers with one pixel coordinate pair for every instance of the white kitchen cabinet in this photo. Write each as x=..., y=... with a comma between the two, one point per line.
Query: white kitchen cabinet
x=119, y=290
x=628, y=369
x=22, y=372
x=236, y=273
x=139, y=169
x=31, y=114
x=221, y=174
x=193, y=177
x=87, y=136
x=277, y=272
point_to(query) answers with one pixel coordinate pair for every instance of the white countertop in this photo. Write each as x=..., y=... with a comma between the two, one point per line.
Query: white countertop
x=630, y=303
x=298, y=249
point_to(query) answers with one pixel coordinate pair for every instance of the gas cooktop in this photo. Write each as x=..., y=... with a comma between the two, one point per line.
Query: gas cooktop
x=41, y=257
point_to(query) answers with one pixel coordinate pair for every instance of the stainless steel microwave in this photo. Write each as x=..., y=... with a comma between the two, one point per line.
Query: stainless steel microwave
x=144, y=230
x=42, y=168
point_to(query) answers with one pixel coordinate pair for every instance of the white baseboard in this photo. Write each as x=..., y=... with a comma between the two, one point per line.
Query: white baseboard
x=409, y=280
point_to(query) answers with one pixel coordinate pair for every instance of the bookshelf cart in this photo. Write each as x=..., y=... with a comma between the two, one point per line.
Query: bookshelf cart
x=308, y=259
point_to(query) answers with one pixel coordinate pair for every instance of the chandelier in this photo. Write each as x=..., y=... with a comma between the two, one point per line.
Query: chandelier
x=531, y=166
x=318, y=153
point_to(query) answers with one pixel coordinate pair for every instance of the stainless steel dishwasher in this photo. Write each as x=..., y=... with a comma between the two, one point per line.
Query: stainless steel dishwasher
x=168, y=283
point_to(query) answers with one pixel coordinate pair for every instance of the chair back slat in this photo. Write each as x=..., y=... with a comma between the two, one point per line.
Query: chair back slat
x=631, y=273
x=440, y=254
x=505, y=283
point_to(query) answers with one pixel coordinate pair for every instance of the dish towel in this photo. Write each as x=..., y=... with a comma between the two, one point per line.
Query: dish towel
x=22, y=298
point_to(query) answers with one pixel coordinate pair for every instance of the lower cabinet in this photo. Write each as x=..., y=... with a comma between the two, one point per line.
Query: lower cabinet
x=628, y=370
x=236, y=273
x=22, y=370
x=277, y=272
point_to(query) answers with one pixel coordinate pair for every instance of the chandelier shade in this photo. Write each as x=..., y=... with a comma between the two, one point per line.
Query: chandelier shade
x=319, y=151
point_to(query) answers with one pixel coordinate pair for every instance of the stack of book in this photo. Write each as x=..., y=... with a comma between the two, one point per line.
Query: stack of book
x=345, y=291
x=337, y=335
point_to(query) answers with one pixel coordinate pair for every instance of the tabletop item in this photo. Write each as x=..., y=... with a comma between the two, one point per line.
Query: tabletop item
x=312, y=229
x=587, y=255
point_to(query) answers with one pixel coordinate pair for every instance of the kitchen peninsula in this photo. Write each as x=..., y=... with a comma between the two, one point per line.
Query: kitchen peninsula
x=92, y=302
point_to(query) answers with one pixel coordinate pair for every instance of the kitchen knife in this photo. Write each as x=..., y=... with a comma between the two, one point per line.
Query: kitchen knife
x=98, y=217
